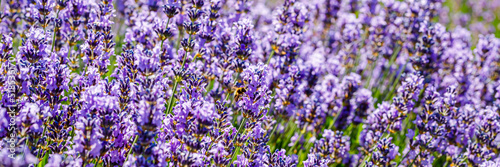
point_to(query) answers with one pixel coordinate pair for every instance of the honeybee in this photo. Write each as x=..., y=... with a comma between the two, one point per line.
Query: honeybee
x=238, y=93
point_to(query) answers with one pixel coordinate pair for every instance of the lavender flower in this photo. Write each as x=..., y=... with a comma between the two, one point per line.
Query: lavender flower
x=249, y=83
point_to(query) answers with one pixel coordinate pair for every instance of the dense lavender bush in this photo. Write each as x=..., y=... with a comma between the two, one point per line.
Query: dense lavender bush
x=278, y=83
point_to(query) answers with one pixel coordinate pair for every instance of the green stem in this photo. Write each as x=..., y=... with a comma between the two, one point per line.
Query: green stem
x=234, y=139
x=54, y=33
x=334, y=120
x=402, y=159
x=97, y=161
x=272, y=52
x=26, y=143
x=176, y=83
x=43, y=133
x=168, y=22
x=270, y=56
x=210, y=86
x=43, y=24
x=178, y=45
x=271, y=135
x=235, y=81
x=395, y=83
x=131, y=147
x=300, y=136
x=69, y=52
x=371, y=70
x=446, y=164
x=171, y=100
x=386, y=72
x=413, y=161
x=391, y=77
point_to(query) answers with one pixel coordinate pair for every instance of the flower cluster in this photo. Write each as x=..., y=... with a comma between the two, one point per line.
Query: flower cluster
x=255, y=83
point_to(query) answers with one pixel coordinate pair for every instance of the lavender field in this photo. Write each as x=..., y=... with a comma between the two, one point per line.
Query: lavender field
x=249, y=83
